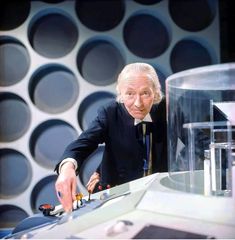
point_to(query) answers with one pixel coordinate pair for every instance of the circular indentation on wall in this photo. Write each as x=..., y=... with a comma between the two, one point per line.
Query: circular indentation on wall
x=147, y=2
x=192, y=15
x=44, y=192
x=16, y=173
x=53, y=35
x=11, y=215
x=89, y=106
x=91, y=164
x=53, y=89
x=100, y=62
x=100, y=15
x=15, y=117
x=14, y=59
x=13, y=14
x=49, y=141
x=146, y=36
x=188, y=54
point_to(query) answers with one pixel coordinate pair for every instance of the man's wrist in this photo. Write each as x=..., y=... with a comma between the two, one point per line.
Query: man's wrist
x=66, y=162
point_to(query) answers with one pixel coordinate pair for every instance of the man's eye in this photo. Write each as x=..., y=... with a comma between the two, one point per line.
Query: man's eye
x=146, y=93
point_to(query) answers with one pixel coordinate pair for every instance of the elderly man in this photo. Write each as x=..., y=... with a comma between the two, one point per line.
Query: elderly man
x=133, y=129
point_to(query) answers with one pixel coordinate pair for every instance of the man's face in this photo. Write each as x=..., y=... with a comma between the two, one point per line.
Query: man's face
x=137, y=95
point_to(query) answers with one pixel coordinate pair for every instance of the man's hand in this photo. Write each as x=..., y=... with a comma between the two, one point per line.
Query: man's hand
x=66, y=185
x=94, y=179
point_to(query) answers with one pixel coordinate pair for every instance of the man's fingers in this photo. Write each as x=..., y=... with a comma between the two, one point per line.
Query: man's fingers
x=93, y=181
x=91, y=185
x=74, y=189
x=66, y=188
x=94, y=177
x=65, y=197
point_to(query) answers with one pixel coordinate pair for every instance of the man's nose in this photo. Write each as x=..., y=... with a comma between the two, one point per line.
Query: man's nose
x=138, y=101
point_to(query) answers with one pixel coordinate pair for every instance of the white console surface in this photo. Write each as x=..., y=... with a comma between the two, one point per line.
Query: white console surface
x=142, y=203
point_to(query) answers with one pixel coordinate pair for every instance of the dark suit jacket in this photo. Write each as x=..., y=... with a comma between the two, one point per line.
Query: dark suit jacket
x=123, y=155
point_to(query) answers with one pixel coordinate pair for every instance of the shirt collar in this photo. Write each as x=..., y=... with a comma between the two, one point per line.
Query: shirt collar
x=147, y=118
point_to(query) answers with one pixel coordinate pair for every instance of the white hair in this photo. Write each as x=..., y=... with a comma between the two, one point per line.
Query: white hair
x=140, y=68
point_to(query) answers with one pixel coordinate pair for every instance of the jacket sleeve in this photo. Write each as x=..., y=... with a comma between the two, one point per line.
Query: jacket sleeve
x=88, y=141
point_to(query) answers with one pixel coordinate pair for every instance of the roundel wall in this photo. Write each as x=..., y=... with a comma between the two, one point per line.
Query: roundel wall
x=59, y=62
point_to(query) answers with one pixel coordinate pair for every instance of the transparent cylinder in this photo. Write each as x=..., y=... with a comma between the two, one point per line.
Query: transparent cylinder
x=200, y=121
